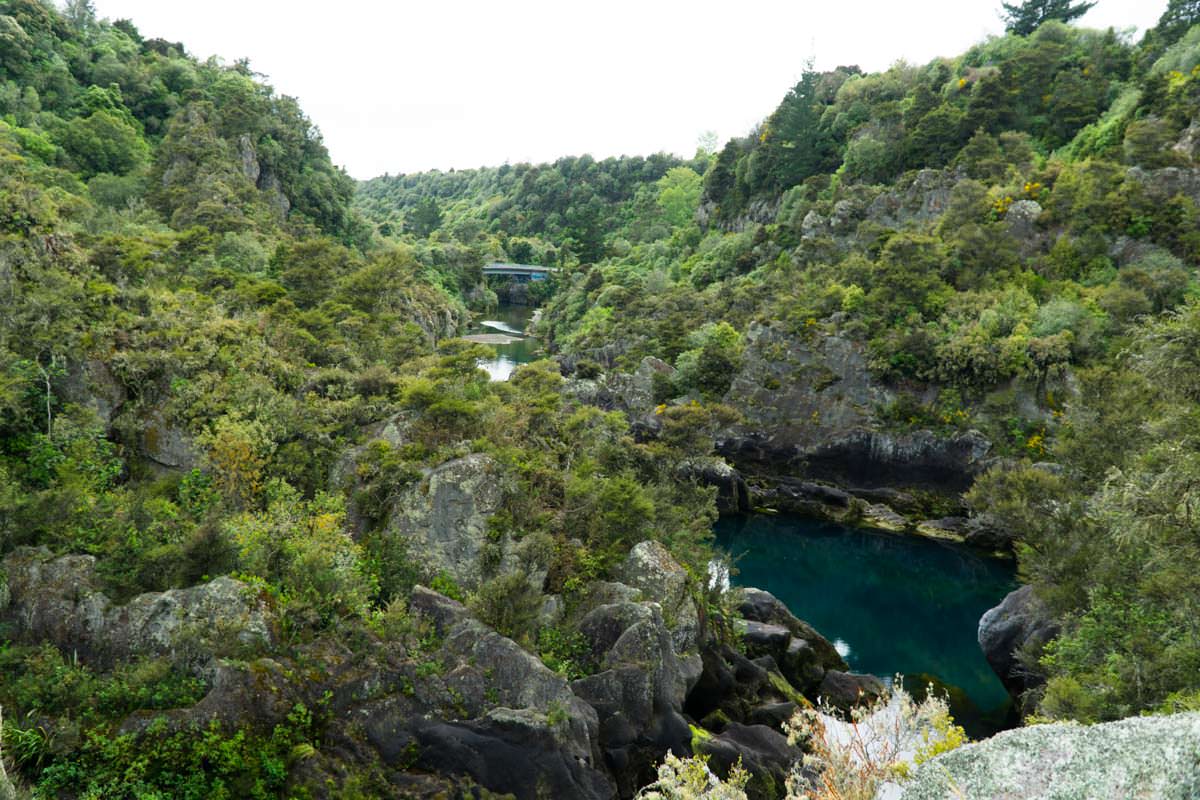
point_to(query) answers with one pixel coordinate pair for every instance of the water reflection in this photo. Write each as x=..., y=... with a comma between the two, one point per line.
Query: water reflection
x=506, y=335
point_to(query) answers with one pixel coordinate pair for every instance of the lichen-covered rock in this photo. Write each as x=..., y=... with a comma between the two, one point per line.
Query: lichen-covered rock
x=650, y=569
x=58, y=600
x=168, y=445
x=1020, y=624
x=1144, y=757
x=445, y=518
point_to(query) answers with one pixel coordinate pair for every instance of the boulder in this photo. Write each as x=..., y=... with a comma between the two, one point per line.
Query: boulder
x=845, y=690
x=638, y=692
x=445, y=519
x=496, y=714
x=1137, y=757
x=1011, y=633
x=806, y=655
x=651, y=570
x=732, y=687
x=58, y=600
x=763, y=751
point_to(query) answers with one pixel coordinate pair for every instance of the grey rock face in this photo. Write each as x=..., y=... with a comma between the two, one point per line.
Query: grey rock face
x=57, y=600
x=1021, y=222
x=92, y=384
x=650, y=569
x=1019, y=624
x=1137, y=757
x=808, y=406
x=638, y=692
x=445, y=518
x=167, y=444
x=517, y=724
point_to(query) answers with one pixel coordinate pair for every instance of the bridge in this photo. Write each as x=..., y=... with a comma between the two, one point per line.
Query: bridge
x=522, y=272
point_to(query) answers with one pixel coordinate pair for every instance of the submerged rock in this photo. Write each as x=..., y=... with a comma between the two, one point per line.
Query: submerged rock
x=1020, y=624
x=1138, y=757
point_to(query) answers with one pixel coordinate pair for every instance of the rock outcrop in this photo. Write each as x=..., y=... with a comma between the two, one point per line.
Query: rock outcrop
x=1137, y=757
x=650, y=569
x=445, y=519
x=808, y=405
x=733, y=496
x=639, y=690
x=58, y=600
x=512, y=725
x=762, y=751
x=802, y=654
x=1019, y=625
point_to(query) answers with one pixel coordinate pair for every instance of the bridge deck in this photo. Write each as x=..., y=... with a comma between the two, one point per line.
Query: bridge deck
x=497, y=268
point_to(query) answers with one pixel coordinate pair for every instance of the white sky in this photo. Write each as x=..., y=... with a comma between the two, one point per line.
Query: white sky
x=404, y=86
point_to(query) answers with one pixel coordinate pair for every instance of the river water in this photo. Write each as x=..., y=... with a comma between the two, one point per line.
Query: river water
x=503, y=329
x=889, y=603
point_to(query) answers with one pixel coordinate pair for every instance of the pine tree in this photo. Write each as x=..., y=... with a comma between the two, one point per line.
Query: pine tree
x=1025, y=18
x=1176, y=20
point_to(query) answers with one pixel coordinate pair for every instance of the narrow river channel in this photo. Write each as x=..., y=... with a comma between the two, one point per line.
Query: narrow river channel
x=504, y=330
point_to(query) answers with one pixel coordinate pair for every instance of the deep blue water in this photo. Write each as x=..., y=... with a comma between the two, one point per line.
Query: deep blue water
x=891, y=603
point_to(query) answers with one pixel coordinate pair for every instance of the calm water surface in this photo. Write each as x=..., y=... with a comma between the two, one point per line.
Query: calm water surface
x=509, y=320
x=889, y=603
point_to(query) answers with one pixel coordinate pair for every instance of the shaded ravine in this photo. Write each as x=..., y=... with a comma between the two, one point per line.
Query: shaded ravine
x=890, y=603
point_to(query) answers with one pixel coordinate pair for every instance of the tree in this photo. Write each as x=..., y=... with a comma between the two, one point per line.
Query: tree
x=425, y=218
x=1027, y=17
x=679, y=195
x=1176, y=20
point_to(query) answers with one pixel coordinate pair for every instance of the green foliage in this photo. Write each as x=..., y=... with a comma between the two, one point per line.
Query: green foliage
x=1027, y=17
